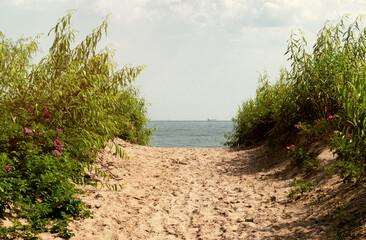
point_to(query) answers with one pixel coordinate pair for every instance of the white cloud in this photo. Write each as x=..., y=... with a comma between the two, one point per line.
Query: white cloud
x=37, y=5
x=32, y=2
x=217, y=13
x=230, y=15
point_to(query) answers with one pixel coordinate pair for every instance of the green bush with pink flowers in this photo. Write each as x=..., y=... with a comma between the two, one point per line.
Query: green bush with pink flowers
x=322, y=96
x=55, y=117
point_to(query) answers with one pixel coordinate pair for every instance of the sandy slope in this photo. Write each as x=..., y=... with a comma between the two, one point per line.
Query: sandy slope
x=197, y=194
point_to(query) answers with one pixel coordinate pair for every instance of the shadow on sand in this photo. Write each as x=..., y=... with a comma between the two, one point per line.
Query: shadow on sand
x=335, y=210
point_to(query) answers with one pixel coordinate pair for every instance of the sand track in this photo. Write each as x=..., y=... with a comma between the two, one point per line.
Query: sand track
x=196, y=194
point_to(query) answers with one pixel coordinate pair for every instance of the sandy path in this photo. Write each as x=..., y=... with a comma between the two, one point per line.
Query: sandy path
x=194, y=194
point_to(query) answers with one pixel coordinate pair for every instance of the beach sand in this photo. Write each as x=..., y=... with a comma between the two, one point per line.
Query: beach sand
x=180, y=193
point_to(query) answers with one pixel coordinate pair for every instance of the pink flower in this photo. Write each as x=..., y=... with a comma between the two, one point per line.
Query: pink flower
x=28, y=130
x=298, y=126
x=127, y=120
x=33, y=145
x=116, y=125
x=57, y=153
x=58, y=144
x=7, y=168
x=318, y=123
x=28, y=109
x=47, y=114
x=290, y=147
x=59, y=130
x=349, y=135
x=135, y=139
x=331, y=117
x=132, y=127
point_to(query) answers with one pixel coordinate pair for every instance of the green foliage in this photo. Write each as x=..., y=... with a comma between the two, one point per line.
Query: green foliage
x=56, y=116
x=302, y=158
x=300, y=188
x=323, y=95
x=257, y=118
x=351, y=150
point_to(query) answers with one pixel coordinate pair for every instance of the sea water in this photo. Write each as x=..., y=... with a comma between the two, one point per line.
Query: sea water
x=189, y=134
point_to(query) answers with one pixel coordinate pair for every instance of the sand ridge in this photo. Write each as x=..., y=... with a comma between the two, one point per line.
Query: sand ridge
x=180, y=193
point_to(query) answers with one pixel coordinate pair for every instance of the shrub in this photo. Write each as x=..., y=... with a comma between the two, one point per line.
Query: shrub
x=302, y=158
x=56, y=116
x=324, y=92
x=351, y=150
x=300, y=188
x=257, y=117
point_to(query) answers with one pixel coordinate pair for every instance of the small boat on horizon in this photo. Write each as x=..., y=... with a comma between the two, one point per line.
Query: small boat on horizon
x=211, y=120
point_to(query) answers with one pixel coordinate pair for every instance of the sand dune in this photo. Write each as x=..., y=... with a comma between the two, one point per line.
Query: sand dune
x=173, y=193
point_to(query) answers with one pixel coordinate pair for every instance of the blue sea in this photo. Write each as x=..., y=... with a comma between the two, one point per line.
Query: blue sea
x=189, y=134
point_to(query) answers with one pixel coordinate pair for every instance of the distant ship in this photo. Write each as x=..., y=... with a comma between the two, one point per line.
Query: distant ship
x=211, y=120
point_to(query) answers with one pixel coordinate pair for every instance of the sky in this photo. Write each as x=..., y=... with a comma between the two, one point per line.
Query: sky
x=203, y=57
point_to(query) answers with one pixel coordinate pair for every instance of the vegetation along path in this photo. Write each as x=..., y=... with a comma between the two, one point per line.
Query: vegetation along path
x=176, y=193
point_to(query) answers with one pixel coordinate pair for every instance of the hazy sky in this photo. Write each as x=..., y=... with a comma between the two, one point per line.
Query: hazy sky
x=203, y=57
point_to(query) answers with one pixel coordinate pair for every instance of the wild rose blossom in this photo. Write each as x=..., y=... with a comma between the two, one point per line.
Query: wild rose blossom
x=7, y=168
x=290, y=147
x=318, y=123
x=33, y=145
x=28, y=130
x=331, y=117
x=59, y=130
x=58, y=144
x=57, y=153
x=135, y=139
x=132, y=127
x=298, y=126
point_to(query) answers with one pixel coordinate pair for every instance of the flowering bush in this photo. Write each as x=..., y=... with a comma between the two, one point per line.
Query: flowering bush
x=56, y=115
x=290, y=147
x=323, y=95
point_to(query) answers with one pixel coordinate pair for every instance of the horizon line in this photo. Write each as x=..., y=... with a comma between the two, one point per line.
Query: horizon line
x=185, y=120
